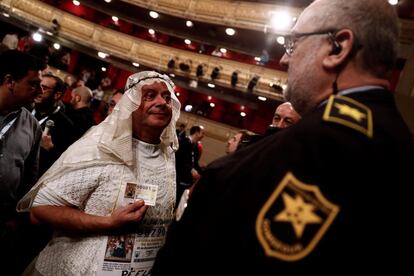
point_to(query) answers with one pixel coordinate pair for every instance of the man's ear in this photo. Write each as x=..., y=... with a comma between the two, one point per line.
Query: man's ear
x=8, y=81
x=58, y=95
x=342, y=44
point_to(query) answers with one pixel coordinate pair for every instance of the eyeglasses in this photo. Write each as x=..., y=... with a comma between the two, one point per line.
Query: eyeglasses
x=290, y=40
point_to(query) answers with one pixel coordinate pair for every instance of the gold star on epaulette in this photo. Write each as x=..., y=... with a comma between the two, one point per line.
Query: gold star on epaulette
x=350, y=113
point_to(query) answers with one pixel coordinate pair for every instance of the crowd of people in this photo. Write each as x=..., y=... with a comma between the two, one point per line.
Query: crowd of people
x=322, y=191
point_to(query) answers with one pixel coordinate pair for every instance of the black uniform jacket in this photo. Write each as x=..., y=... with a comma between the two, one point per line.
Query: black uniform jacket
x=329, y=195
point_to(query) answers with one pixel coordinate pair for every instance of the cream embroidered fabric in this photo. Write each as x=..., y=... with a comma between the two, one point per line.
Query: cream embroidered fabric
x=81, y=256
x=92, y=172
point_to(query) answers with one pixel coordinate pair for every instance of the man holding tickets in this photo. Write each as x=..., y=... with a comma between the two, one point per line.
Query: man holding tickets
x=94, y=194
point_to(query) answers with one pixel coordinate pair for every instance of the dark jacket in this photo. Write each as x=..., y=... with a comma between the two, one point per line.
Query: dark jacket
x=323, y=196
x=82, y=119
x=63, y=135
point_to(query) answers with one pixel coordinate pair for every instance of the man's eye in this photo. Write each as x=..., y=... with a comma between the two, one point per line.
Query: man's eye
x=167, y=98
x=149, y=96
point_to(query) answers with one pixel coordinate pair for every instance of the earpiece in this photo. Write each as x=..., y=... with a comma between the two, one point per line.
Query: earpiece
x=336, y=47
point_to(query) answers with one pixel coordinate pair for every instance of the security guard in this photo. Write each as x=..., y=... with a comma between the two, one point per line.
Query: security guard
x=329, y=194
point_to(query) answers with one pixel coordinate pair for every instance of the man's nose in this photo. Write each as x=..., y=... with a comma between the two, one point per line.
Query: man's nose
x=280, y=124
x=160, y=100
x=284, y=61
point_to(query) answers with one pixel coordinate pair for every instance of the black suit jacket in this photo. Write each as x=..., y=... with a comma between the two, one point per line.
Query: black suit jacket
x=187, y=158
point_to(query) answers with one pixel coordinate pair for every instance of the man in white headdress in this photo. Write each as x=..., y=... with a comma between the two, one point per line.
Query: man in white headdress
x=84, y=194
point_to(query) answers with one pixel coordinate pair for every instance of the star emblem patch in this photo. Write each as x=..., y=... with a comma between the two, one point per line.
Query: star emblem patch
x=294, y=219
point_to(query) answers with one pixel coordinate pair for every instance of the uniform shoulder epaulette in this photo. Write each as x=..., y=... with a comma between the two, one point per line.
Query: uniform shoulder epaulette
x=348, y=112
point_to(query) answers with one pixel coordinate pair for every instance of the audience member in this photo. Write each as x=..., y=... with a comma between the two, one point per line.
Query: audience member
x=328, y=194
x=79, y=111
x=239, y=140
x=84, y=194
x=187, y=157
x=116, y=96
x=181, y=131
x=20, y=135
x=58, y=129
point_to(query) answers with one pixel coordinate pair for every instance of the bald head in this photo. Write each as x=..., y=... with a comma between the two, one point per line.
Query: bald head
x=374, y=23
x=285, y=116
x=81, y=97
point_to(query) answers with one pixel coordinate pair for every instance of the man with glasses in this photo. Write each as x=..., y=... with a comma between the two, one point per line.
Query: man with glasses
x=328, y=194
x=19, y=150
x=58, y=130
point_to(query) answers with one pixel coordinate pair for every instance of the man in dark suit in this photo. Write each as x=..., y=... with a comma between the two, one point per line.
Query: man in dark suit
x=187, y=157
x=58, y=137
x=327, y=195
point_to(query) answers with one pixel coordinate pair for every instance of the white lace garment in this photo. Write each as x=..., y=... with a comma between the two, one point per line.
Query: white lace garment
x=95, y=190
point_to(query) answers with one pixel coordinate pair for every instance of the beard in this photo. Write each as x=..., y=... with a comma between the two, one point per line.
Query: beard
x=301, y=91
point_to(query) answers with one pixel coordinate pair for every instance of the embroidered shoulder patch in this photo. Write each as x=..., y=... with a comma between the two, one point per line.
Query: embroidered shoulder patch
x=294, y=219
x=350, y=113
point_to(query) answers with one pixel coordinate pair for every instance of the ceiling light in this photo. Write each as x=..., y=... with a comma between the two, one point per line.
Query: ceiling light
x=212, y=104
x=76, y=3
x=187, y=41
x=49, y=33
x=37, y=37
x=154, y=14
x=103, y=69
x=281, y=21
x=230, y=31
x=223, y=50
x=178, y=94
x=102, y=55
x=6, y=14
x=209, y=98
x=108, y=1
x=188, y=107
x=151, y=31
x=263, y=99
x=242, y=107
x=189, y=23
x=280, y=40
x=211, y=85
x=115, y=18
x=243, y=114
x=393, y=2
x=135, y=64
x=56, y=46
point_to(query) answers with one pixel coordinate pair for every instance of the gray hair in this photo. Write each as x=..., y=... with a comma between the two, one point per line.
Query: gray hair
x=374, y=24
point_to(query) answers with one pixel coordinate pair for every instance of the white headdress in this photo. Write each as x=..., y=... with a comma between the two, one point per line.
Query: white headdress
x=111, y=140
